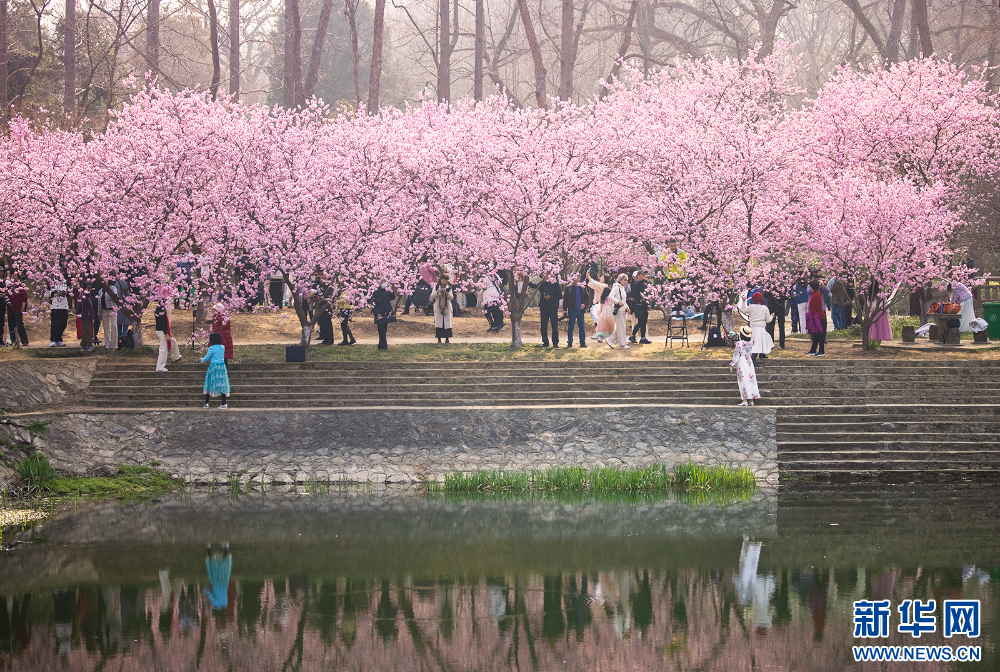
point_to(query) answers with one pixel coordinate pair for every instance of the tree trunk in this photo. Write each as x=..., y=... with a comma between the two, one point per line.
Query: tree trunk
x=923, y=28
x=213, y=38
x=444, y=52
x=3, y=64
x=536, y=53
x=69, y=56
x=866, y=23
x=516, y=308
x=626, y=41
x=352, y=11
x=293, y=55
x=480, y=51
x=153, y=37
x=895, y=32
x=316, y=55
x=566, y=55
x=375, y=75
x=234, y=49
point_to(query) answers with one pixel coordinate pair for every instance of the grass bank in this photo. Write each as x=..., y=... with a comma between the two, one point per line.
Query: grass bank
x=605, y=480
x=41, y=479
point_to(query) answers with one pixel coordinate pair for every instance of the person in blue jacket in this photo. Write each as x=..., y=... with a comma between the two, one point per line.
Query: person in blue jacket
x=217, y=377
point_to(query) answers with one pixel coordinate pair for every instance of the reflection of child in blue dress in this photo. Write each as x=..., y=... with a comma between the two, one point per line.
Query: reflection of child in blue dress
x=217, y=377
x=219, y=568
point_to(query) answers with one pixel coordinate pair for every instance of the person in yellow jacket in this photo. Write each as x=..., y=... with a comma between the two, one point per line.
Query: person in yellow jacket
x=675, y=268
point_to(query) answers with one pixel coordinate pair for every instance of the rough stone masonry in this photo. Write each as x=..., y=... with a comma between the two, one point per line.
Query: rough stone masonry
x=405, y=444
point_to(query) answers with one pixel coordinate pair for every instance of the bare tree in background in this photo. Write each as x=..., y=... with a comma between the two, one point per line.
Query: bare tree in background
x=536, y=54
x=153, y=36
x=234, y=49
x=479, y=50
x=316, y=53
x=69, y=56
x=352, y=21
x=213, y=39
x=292, y=71
x=375, y=75
x=444, y=51
x=4, y=30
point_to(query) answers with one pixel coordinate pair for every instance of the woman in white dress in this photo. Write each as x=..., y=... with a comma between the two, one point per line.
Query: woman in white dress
x=619, y=297
x=963, y=295
x=602, y=297
x=746, y=373
x=759, y=317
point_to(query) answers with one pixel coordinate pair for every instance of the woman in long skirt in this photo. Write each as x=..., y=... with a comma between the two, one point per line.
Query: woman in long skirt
x=746, y=373
x=216, y=378
x=606, y=318
x=963, y=295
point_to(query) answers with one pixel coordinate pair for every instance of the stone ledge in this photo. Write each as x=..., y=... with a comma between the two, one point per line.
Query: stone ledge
x=406, y=445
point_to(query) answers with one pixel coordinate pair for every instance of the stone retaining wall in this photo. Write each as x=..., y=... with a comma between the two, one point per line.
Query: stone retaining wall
x=400, y=445
x=30, y=384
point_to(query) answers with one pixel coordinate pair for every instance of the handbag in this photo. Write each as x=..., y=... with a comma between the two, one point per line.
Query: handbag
x=614, y=311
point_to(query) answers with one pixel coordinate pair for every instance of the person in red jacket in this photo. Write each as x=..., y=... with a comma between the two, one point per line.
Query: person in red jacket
x=17, y=302
x=816, y=320
x=220, y=325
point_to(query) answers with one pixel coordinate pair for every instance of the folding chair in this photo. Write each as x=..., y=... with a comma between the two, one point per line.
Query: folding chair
x=677, y=332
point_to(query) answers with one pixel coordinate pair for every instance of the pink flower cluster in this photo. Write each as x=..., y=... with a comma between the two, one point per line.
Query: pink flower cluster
x=869, y=179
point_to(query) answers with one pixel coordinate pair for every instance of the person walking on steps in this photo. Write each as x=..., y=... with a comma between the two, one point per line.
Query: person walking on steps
x=577, y=300
x=345, y=310
x=816, y=321
x=217, y=376
x=168, y=344
x=640, y=308
x=746, y=373
x=442, y=297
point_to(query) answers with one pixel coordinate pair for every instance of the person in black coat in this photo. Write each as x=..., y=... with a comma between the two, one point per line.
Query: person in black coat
x=382, y=312
x=639, y=306
x=549, y=294
x=776, y=305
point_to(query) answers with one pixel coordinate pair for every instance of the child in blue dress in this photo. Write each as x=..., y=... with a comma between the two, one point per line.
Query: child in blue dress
x=216, y=378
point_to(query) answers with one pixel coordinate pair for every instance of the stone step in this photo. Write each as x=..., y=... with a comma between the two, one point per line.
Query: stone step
x=820, y=446
x=868, y=465
x=907, y=453
x=825, y=438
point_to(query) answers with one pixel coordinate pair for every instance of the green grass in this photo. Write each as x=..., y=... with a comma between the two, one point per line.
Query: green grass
x=605, y=480
x=129, y=481
x=36, y=472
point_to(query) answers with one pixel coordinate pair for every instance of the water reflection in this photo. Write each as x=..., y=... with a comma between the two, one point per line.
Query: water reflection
x=743, y=603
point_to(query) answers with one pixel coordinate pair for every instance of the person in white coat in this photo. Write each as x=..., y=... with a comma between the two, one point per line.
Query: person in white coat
x=442, y=298
x=619, y=297
x=759, y=317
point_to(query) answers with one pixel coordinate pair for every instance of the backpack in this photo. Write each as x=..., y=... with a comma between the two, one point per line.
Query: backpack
x=715, y=339
x=126, y=341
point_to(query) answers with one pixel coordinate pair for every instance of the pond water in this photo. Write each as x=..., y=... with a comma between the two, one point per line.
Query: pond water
x=393, y=580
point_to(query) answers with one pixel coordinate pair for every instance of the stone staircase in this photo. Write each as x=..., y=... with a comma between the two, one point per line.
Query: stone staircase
x=839, y=419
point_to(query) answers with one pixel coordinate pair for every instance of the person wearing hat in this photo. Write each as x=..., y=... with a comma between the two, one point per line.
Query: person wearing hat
x=759, y=316
x=640, y=307
x=746, y=373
